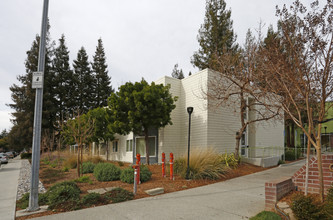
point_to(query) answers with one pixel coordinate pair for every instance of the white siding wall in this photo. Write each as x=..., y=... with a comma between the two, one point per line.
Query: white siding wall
x=121, y=155
x=223, y=123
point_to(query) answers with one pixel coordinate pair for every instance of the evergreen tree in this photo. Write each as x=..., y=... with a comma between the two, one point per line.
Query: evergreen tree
x=64, y=81
x=103, y=82
x=216, y=35
x=23, y=98
x=85, y=83
x=176, y=73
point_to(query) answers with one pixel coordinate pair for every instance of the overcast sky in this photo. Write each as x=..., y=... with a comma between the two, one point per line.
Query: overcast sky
x=142, y=38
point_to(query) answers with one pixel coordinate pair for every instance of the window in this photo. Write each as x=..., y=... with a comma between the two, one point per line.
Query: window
x=141, y=146
x=129, y=145
x=115, y=146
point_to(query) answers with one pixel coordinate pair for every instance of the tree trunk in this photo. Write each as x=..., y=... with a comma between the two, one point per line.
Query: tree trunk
x=147, y=147
x=107, y=150
x=237, y=147
x=321, y=179
x=78, y=162
x=307, y=162
x=81, y=161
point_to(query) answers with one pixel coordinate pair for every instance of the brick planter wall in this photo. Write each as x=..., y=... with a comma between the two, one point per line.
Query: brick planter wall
x=313, y=183
x=276, y=189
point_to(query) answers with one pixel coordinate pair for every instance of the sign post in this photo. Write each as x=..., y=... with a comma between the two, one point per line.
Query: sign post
x=37, y=82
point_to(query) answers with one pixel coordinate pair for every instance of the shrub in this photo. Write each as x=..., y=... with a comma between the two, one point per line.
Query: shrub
x=204, y=164
x=179, y=165
x=264, y=215
x=305, y=207
x=23, y=203
x=93, y=199
x=127, y=175
x=328, y=208
x=229, y=160
x=290, y=154
x=120, y=163
x=83, y=179
x=145, y=174
x=70, y=162
x=88, y=167
x=65, y=169
x=26, y=155
x=118, y=195
x=64, y=196
x=106, y=172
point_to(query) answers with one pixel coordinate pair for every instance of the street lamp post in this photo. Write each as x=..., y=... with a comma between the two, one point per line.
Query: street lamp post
x=189, y=111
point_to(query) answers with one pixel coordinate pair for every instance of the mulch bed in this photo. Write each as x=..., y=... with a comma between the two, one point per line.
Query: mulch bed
x=156, y=181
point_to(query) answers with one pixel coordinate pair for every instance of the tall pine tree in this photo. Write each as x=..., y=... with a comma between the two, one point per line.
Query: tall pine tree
x=23, y=97
x=64, y=80
x=103, y=87
x=85, y=83
x=216, y=35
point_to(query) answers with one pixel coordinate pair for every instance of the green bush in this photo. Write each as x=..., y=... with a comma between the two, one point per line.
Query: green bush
x=64, y=196
x=83, y=179
x=127, y=175
x=118, y=195
x=290, y=154
x=266, y=215
x=305, y=208
x=106, y=172
x=93, y=199
x=145, y=174
x=65, y=169
x=88, y=167
x=23, y=203
x=26, y=155
x=328, y=208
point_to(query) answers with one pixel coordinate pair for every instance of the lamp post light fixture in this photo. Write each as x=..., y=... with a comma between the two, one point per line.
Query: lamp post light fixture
x=189, y=111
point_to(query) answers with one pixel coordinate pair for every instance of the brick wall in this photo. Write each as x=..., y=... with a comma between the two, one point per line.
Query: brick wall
x=276, y=189
x=313, y=183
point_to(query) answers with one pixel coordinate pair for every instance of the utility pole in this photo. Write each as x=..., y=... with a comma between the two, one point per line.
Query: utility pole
x=37, y=83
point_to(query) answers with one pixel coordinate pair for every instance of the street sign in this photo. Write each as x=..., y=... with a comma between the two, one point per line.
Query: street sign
x=37, y=80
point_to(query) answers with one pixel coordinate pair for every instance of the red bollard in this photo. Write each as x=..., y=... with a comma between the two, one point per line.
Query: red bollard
x=163, y=165
x=171, y=166
x=138, y=159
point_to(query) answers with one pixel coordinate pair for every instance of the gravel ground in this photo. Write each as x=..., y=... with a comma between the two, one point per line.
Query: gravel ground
x=24, y=180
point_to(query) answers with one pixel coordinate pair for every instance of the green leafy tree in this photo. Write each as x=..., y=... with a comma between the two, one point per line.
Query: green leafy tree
x=103, y=87
x=84, y=89
x=216, y=35
x=79, y=130
x=140, y=106
x=103, y=126
x=176, y=73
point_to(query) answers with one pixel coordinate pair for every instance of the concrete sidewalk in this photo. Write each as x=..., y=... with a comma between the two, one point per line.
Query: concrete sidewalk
x=9, y=175
x=239, y=198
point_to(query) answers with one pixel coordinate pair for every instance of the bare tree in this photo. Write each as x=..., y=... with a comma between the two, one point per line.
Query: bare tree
x=232, y=87
x=297, y=64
